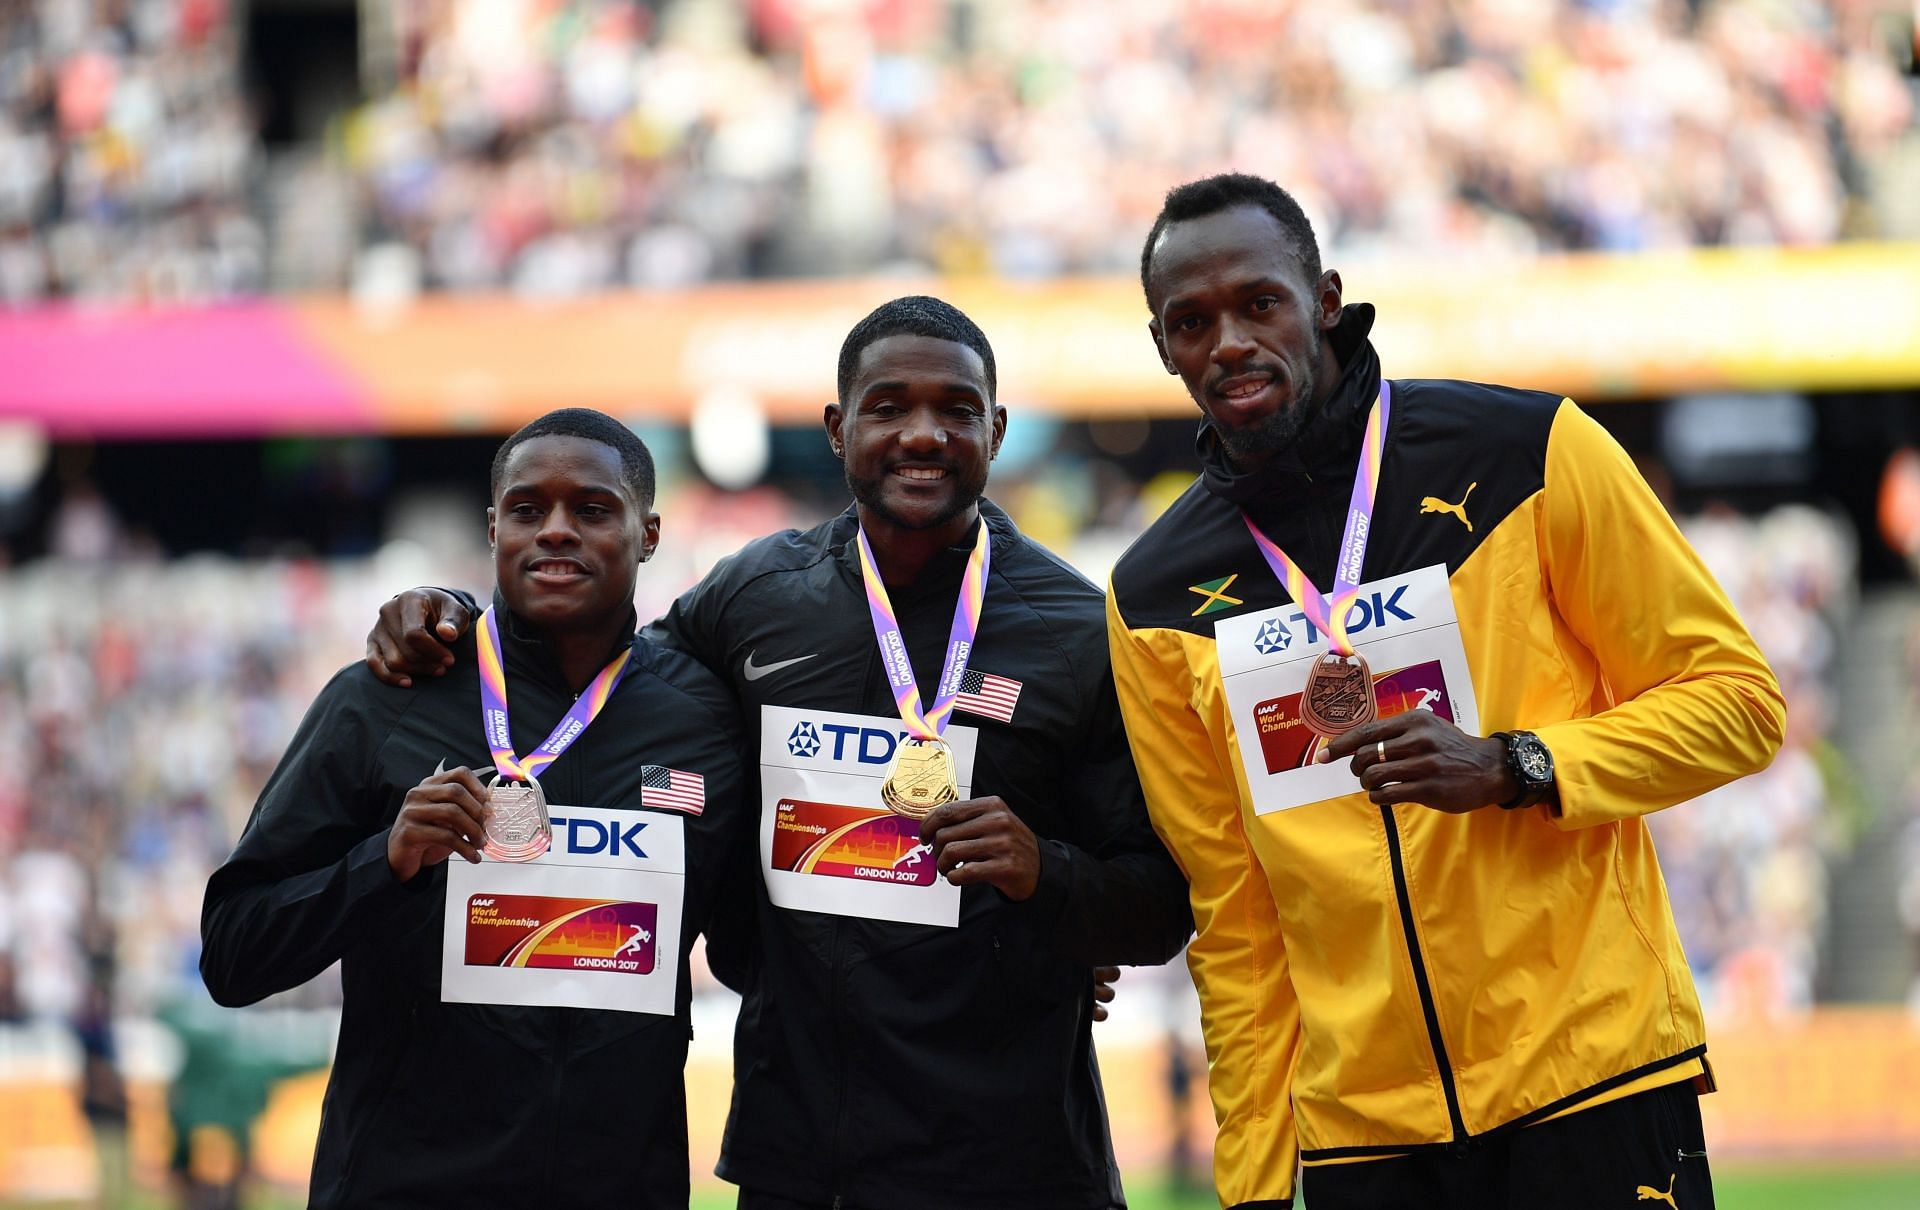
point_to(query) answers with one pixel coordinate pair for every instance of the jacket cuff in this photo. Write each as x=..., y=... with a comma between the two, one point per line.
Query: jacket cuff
x=1055, y=887
x=371, y=885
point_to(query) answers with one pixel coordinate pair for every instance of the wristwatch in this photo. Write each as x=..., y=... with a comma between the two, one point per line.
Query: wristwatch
x=1531, y=765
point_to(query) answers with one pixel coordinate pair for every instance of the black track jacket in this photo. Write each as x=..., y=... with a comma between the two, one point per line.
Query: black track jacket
x=882, y=1065
x=470, y=1105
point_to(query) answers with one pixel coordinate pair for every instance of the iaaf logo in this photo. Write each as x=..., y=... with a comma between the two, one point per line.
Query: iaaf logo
x=868, y=745
x=588, y=836
x=1375, y=609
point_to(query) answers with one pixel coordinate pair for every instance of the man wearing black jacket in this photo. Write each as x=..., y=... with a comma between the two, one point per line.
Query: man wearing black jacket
x=441, y=1095
x=944, y=1064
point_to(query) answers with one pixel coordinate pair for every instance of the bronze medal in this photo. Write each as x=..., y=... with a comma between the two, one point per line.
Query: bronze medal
x=1338, y=695
x=519, y=828
x=920, y=779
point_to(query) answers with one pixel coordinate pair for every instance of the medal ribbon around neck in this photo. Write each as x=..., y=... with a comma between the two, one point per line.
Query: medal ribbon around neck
x=893, y=645
x=1328, y=611
x=493, y=707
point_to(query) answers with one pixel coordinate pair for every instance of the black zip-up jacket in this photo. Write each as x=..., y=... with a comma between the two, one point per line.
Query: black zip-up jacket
x=882, y=1065
x=472, y=1105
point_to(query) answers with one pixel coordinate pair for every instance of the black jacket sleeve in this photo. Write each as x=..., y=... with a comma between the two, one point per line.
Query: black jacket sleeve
x=310, y=871
x=1112, y=890
x=692, y=624
x=732, y=929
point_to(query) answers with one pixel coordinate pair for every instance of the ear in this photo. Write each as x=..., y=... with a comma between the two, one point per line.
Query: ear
x=1160, y=345
x=493, y=539
x=999, y=431
x=649, y=535
x=833, y=418
x=1327, y=302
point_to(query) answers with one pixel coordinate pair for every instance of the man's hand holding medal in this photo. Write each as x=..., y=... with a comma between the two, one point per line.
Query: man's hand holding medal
x=445, y=814
x=1422, y=758
x=982, y=840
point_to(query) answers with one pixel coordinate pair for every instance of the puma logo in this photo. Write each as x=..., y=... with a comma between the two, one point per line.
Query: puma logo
x=1434, y=504
x=1647, y=1193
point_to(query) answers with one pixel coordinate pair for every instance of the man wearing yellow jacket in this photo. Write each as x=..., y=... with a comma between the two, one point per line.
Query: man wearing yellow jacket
x=1435, y=957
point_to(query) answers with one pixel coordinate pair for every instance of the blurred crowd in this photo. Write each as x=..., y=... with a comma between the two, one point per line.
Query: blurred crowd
x=1746, y=865
x=562, y=146
x=126, y=152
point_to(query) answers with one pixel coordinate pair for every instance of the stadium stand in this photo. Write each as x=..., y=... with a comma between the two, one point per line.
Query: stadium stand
x=565, y=147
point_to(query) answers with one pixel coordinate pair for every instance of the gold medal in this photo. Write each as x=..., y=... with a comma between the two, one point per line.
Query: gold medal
x=1338, y=695
x=519, y=828
x=920, y=779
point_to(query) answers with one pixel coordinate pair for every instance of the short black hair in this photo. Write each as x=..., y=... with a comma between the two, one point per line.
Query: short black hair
x=914, y=315
x=1211, y=195
x=636, y=464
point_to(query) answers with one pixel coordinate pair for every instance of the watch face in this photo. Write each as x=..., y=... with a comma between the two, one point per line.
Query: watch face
x=1533, y=762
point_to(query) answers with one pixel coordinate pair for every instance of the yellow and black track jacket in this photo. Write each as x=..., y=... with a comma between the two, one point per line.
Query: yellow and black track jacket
x=1378, y=980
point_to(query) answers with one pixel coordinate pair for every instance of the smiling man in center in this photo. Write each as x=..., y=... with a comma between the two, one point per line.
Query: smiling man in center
x=915, y=1029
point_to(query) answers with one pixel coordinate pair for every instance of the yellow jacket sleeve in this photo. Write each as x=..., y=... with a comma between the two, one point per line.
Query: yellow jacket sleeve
x=1690, y=702
x=1239, y=964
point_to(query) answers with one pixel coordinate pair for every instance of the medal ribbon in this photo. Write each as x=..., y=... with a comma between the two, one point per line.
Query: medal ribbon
x=893, y=645
x=1328, y=611
x=493, y=707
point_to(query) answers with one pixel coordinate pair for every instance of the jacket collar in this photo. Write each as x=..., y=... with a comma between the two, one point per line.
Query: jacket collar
x=943, y=573
x=527, y=654
x=1328, y=447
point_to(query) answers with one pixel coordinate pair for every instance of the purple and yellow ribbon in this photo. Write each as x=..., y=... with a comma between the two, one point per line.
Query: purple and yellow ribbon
x=1328, y=611
x=493, y=707
x=893, y=645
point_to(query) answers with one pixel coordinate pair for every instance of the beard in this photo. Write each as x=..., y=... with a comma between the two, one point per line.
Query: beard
x=1258, y=442
x=1251, y=444
x=870, y=492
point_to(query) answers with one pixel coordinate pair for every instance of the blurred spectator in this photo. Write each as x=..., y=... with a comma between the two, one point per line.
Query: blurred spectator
x=125, y=153
x=1747, y=864
x=103, y=1091
x=557, y=147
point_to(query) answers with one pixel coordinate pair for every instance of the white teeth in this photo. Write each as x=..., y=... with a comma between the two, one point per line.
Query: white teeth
x=918, y=472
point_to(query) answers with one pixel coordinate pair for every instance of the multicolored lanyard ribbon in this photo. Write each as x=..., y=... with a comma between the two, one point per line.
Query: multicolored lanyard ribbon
x=1328, y=611
x=893, y=645
x=493, y=707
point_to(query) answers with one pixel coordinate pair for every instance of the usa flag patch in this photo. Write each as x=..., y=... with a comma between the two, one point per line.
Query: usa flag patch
x=666, y=789
x=988, y=695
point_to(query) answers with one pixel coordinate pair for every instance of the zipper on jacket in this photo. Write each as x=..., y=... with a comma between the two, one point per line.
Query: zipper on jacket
x=563, y=1047
x=836, y=1161
x=1420, y=976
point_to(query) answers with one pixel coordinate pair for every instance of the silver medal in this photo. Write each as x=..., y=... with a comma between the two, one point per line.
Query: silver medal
x=519, y=828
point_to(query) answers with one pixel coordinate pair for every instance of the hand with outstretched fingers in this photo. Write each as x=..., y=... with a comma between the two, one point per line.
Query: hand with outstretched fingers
x=412, y=636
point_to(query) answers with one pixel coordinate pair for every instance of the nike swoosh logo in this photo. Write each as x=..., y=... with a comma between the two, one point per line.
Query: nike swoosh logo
x=754, y=672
